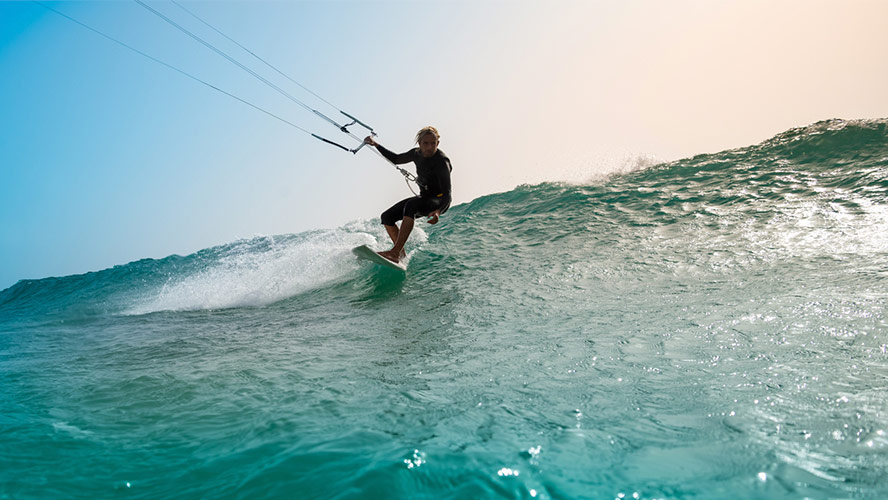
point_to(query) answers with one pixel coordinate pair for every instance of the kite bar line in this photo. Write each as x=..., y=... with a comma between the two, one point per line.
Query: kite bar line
x=408, y=177
x=343, y=128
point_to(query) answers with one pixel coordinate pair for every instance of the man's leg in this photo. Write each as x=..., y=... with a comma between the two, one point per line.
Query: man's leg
x=397, y=251
x=390, y=220
x=392, y=232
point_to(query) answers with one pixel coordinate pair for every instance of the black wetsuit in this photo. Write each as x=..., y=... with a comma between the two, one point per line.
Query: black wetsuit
x=433, y=178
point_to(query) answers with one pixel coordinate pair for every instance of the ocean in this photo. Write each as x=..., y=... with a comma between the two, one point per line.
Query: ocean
x=713, y=327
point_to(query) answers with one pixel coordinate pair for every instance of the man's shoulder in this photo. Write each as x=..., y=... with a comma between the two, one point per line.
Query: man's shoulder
x=444, y=161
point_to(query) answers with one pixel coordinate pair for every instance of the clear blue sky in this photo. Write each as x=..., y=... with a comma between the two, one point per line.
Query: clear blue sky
x=107, y=157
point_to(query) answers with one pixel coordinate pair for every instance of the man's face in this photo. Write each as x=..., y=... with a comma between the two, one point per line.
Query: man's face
x=428, y=145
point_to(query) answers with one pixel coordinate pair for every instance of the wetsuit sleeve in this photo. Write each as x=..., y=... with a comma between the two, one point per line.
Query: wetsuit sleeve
x=444, y=178
x=397, y=159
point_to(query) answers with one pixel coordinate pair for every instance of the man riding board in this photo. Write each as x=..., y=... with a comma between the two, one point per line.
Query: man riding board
x=433, y=177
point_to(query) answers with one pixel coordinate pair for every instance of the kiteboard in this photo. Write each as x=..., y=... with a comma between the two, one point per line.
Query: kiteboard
x=367, y=253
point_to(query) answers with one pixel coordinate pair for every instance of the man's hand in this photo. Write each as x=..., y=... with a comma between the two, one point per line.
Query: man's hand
x=369, y=140
x=433, y=217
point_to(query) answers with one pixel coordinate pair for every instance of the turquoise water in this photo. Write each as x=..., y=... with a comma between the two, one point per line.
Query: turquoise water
x=709, y=328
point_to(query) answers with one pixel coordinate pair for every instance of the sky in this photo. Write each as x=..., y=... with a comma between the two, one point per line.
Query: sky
x=107, y=157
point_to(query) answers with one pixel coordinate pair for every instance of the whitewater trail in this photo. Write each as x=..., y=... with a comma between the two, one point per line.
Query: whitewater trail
x=265, y=270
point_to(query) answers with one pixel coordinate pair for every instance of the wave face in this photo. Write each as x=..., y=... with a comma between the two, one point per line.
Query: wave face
x=713, y=327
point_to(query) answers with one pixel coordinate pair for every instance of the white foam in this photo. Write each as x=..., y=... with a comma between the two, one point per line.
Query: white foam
x=264, y=270
x=71, y=429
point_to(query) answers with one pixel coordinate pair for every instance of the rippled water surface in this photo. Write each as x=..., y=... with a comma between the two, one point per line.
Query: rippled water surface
x=709, y=328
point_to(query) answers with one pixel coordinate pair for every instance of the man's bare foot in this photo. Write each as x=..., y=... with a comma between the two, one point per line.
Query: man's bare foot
x=391, y=255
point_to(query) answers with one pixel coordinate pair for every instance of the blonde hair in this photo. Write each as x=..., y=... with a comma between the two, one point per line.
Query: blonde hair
x=427, y=130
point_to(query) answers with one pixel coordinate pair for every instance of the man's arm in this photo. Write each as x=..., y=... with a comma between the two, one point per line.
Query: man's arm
x=443, y=174
x=397, y=159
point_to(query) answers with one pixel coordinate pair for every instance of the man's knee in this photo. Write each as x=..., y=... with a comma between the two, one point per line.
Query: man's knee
x=388, y=218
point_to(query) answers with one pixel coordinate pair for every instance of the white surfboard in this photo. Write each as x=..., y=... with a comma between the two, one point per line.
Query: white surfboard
x=367, y=253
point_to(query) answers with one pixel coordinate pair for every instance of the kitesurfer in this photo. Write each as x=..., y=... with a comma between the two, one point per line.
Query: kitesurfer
x=433, y=177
